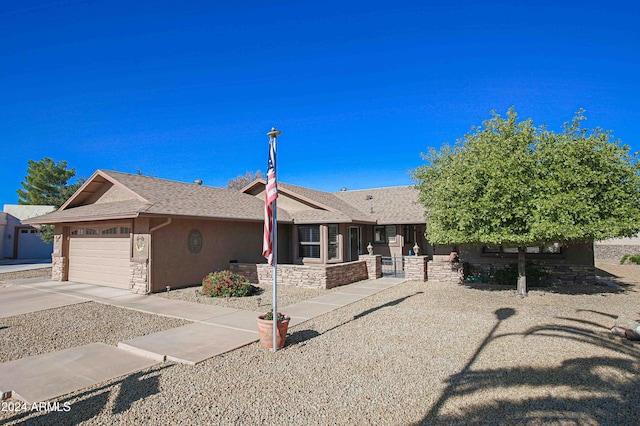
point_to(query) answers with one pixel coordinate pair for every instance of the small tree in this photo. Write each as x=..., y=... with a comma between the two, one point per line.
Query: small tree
x=510, y=183
x=241, y=181
x=46, y=183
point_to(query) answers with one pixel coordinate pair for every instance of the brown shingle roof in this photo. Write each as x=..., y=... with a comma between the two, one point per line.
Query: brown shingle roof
x=153, y=196
x=114, y=210
x=333, y=208
x=396, y=204
x=167, y=198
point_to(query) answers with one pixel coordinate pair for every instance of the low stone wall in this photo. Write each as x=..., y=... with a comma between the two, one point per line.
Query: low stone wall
x=571, y=274
x=450, y=272
x=310, y=276
x=559, y=273
x=345, y=273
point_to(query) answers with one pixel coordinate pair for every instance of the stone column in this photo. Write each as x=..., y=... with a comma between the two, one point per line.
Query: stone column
x=139, y=272
x=415, y=268
x=139, y=264
x=374, y=265
x=59, y=265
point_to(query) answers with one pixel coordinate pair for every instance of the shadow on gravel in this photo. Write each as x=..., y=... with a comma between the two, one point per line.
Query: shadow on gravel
x=305, y=335
x=605, y=274
x=83, y=406
x=604, y=390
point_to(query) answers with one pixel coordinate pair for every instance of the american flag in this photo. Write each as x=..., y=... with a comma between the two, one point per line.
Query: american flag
x=270, y=198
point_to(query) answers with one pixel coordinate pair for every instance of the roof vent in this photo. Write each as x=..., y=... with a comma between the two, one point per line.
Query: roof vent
x=343, y=189
x=197, y=181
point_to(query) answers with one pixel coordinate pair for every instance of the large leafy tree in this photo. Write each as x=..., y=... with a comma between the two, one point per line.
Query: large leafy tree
x=508, y=182
x=47, y=183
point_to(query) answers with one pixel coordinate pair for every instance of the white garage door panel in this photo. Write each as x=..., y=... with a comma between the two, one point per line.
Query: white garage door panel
x=103, y=261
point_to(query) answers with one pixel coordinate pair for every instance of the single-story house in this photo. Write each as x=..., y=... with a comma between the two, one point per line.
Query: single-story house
x=20, y=240
x=147, y=234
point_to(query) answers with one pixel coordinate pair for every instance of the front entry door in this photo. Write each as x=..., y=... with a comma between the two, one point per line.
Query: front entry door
x=354, y=243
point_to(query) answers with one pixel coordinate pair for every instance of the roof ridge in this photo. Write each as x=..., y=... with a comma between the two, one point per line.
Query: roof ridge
x=373, y=189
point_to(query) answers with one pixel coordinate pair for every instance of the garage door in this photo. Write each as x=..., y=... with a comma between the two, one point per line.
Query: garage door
x=99, y=259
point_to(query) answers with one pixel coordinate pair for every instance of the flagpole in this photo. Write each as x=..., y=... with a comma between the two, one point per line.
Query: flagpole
x=273, y=134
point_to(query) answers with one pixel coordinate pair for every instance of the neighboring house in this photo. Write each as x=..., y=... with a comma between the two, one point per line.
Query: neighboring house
x=19, y=240
x=147, y=234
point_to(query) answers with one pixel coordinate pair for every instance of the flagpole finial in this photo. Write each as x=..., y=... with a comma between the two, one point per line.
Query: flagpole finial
x=274, y=133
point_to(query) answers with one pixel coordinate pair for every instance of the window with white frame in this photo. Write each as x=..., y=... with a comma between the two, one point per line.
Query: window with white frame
x=309, y=241
x=333, y=242
x=385, y=234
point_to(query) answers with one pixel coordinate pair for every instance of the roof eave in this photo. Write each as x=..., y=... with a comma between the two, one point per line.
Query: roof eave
x=94, y=218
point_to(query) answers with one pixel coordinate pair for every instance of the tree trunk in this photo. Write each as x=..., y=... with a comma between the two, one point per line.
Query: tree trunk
x=522, y=276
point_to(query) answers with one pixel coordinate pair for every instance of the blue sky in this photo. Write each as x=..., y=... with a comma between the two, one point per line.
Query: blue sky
x=185, y=90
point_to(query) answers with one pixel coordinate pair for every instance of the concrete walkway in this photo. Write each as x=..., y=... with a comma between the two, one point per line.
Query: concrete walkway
x=215, y=330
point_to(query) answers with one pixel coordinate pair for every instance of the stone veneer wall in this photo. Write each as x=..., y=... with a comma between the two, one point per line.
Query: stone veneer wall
x=451, y=272
x=374, y=265
x=59, y=266
x=415, y=268
x=559, y=273
x=139, y=274
x=310, y=276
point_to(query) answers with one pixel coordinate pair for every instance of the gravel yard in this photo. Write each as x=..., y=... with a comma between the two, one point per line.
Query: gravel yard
x=419, y=353
x=260, y=301
x=76, y=325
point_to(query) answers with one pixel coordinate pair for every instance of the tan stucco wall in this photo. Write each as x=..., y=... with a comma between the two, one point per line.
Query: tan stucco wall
x=174, y=265
x=108, y=193
x=401, y=247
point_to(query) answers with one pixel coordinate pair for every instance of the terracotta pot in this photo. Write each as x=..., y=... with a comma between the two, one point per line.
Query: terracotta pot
x=265, y=330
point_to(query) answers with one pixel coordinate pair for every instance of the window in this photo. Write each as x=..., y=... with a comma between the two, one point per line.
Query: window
x=110, y=231
x=384, y=234
x=309, y=241
x=554, y=248
x=407, y=234
x=125, y=230
x=77, y=231
x=91, y=231
x=333, y=242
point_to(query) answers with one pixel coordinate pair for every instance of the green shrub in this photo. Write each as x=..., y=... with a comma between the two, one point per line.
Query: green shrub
x=633, y=258
x=508, y=275
x=226, y=283
x=269, y=316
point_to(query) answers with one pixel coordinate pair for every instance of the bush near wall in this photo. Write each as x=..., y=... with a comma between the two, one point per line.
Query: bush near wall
x=226, y=283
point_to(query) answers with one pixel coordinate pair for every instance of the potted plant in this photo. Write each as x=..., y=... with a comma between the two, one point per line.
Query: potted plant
x=265, y=329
